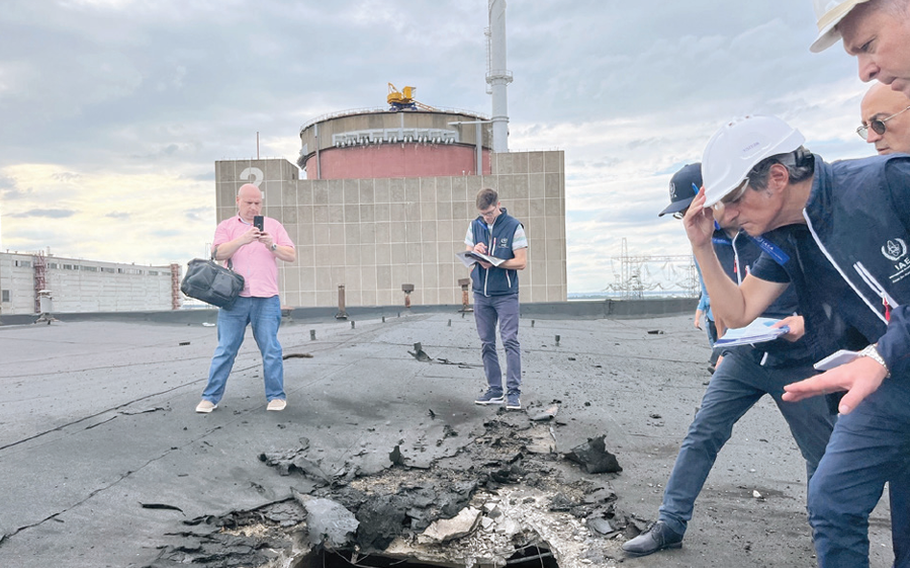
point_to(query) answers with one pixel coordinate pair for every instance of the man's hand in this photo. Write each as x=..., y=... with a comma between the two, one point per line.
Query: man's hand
x=697, y=322
x=249, y=236
x=482, y=249
x=797, y=327
x=860, y=378
x=266, y=239
x=699, y=222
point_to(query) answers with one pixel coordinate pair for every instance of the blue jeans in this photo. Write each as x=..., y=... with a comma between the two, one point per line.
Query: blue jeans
x=711, y=331
x=264, y=314
x=504, y=309
x=738, y=383
x=868, y=447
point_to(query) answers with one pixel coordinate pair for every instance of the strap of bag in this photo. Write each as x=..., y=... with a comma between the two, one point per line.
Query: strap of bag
x=230, y=264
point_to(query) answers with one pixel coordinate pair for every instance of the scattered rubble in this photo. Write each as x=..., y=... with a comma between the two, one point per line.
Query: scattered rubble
x=161, y=506
x=594, y=457
x=287, y=356
x=419, y=353
x=444, y=530
x=328, y=523
x=547, y=413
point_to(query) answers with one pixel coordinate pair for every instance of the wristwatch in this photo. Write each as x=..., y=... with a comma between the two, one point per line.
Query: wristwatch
x=273, y=247
x=871, y=352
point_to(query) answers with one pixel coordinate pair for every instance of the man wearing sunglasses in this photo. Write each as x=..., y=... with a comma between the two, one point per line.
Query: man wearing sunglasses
x=744, y=375
x=842, y=241
x=886, y=122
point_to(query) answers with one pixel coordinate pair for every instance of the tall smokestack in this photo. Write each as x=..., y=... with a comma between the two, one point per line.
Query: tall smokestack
x=498, y=76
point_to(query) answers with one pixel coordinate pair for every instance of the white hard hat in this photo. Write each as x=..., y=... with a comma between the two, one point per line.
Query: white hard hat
x=738, y=147
x=829, y=13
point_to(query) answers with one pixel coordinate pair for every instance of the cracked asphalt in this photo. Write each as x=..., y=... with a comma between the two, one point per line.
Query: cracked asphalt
x=102, y=456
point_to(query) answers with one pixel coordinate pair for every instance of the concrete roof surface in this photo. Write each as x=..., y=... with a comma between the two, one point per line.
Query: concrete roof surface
x=102, y=456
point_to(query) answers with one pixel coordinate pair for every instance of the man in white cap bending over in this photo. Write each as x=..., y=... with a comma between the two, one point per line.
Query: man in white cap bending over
x=840, y=235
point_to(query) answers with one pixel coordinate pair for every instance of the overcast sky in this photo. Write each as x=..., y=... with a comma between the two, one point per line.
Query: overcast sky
x=113, y=112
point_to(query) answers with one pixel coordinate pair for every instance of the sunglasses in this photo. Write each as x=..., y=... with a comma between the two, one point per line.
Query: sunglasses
x=877, y=125
x=731, y=197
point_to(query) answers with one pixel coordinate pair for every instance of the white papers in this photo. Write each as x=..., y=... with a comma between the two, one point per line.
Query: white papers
x=758, y=331
x=836, y=359
x=469, y=257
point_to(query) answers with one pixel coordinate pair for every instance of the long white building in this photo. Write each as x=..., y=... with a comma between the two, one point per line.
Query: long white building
x=80, y=285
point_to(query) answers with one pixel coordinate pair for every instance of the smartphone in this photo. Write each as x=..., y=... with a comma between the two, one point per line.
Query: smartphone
x=258, y=222
x=836, y=359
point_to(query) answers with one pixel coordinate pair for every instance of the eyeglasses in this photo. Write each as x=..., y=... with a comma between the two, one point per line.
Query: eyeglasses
x=877, y=125
x=489, y=213
x=731, y=197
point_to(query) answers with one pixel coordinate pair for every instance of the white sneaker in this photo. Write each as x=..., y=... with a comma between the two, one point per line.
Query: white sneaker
x=206, y=406
x=276, y=404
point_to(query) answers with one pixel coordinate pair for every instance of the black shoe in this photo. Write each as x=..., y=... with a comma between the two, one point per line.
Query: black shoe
x=658, y=537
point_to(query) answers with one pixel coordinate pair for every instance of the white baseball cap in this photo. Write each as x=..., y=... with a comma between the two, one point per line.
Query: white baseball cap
x=829, y=13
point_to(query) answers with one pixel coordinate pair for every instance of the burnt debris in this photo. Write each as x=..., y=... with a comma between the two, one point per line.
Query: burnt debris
x=494, y=501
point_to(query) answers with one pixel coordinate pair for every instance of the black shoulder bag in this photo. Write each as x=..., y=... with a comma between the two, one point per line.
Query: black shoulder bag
x=211, y=282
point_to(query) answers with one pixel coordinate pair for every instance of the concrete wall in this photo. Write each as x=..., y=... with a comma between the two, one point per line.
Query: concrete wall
x=79, y=285
x=398, y=160
x=17, y=284
x=373, y=235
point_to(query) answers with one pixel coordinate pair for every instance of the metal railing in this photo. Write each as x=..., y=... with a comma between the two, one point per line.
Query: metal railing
x=356, y=111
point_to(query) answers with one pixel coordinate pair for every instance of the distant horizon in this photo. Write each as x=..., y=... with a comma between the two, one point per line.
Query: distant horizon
x=602, y=293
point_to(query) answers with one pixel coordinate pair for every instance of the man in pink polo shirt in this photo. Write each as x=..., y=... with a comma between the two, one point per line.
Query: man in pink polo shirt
x=254, y=254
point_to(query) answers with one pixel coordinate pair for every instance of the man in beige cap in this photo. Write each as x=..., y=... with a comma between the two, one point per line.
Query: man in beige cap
x=877, y=32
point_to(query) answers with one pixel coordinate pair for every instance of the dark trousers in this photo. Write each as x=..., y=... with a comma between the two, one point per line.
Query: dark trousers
x=488, y=311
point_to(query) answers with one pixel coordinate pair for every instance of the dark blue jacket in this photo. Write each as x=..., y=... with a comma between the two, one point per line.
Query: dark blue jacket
x=737, y=257
x=851, y=258
x=495, y=281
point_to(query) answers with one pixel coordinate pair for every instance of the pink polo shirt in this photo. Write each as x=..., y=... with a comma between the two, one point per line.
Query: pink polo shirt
x=256, y=263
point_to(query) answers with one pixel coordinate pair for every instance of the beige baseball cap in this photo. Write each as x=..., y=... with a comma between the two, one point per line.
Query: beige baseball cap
x=829, y=13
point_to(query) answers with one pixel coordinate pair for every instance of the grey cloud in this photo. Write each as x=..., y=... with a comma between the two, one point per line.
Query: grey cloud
x=206, y=176
x=165, y=152
x=48, y=213
x=200, y=213
x=66, y=176
x=12, y=193
x=118, y=215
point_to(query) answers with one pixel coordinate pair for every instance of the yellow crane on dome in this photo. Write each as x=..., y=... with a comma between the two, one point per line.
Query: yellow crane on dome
x=404, y=99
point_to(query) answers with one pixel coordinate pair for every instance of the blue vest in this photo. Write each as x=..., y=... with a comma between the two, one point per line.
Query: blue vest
x=858, y=214
x=850, y=257
x=495, y=281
